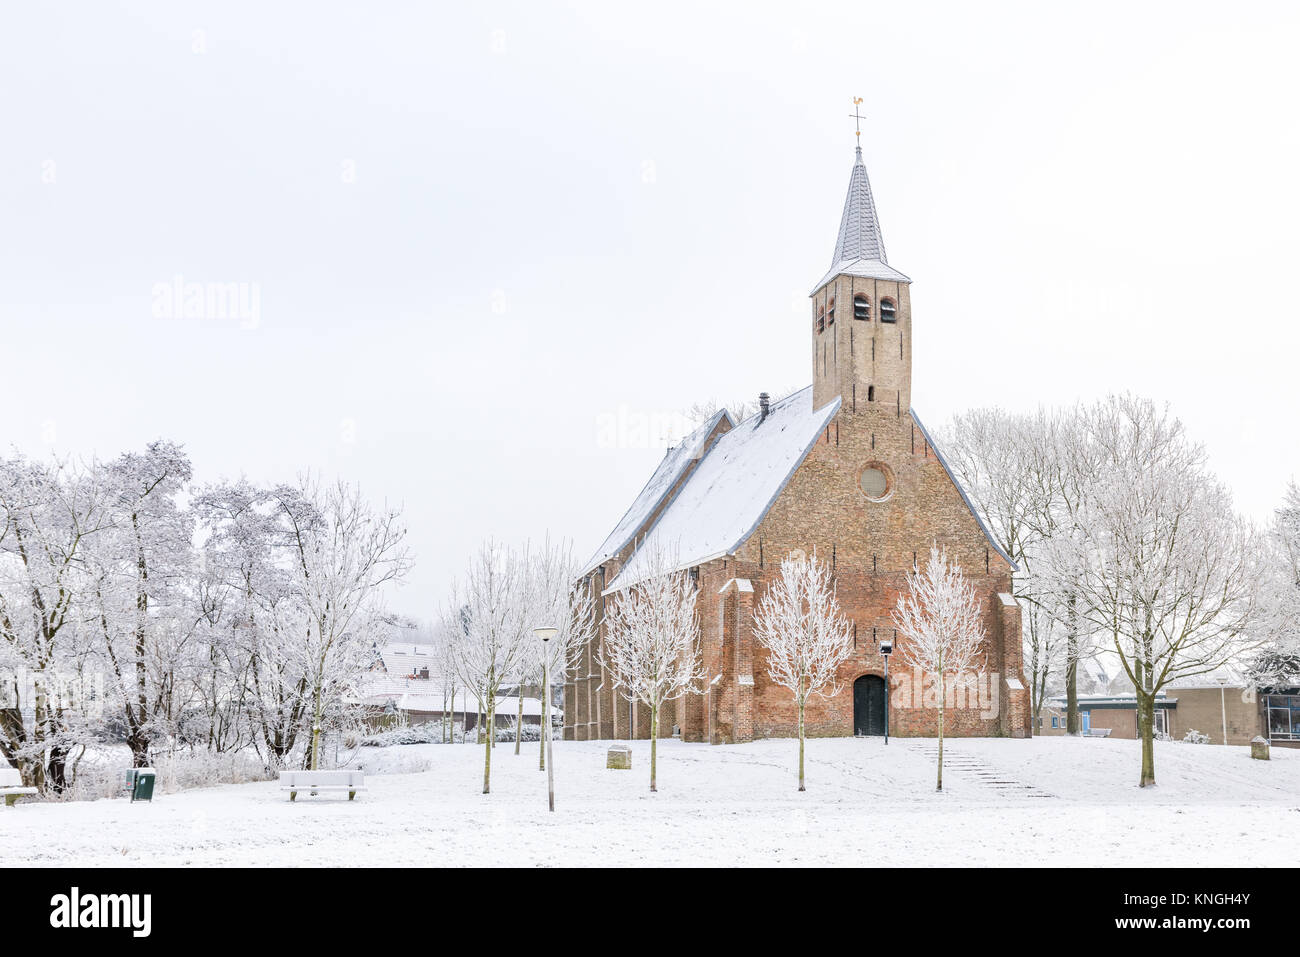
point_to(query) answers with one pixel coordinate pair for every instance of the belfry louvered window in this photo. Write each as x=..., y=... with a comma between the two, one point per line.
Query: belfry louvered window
x=830, y=311
x=861, y=307
x=887, y=310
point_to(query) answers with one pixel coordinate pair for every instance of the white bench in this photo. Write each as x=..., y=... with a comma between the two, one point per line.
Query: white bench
x=316, y=781
x=11, y=785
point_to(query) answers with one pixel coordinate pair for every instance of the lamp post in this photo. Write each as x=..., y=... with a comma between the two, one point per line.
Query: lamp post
x=886, y=646
x=546, y=634
x=1223, y=705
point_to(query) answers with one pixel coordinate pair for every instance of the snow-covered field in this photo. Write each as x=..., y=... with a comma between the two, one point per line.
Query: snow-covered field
x=1048, y=801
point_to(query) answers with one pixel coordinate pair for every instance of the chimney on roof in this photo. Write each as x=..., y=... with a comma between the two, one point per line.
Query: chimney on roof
x=764, y=406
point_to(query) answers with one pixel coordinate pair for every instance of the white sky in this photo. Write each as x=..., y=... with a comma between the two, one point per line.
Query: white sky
x=563, y=222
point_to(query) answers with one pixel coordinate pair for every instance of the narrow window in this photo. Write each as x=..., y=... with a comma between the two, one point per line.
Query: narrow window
x=821, y=318
x=887, y=310
x=871, y=393
x=861, y=307
x=830, y=312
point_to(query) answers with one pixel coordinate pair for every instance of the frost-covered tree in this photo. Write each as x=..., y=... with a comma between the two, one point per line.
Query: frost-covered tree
x=939, y=629
x=341, y=555
x=562, y=602
x=1277, y=627
x=137, y=603
x=651, y=647
x=255, y=651
x=489, y=620
x=805, y=635
x=1045, y=655
x=49, y=513
x=444, y=661
x=1160, y=563
x=1028, y=475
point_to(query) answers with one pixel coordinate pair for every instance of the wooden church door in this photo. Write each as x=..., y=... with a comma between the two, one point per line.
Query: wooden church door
x=869, y=705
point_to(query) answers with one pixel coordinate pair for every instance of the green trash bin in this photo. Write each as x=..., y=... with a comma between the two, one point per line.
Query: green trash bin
x=143, y=785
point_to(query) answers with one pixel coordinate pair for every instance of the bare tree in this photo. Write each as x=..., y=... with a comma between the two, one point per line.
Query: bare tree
x=489, y=619
x=1277, y=626
x=806, y=636
x=939, y=629
x=560, y=601
x=48, y=516
x=343, y=553
x=651, y=647
x=137, y=600
x=1029, y=475
x=1161, y=564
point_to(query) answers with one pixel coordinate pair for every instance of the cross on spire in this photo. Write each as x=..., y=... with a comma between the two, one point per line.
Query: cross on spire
x=857, y=119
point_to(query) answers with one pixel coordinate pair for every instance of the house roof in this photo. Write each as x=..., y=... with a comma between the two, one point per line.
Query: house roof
x=1111, y=702
x=426, y=702
x=859, y=246
x=727, y=495
x=402, y=660
x=675, y=462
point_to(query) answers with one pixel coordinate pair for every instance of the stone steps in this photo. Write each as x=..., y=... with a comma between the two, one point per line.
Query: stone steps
x=967, y=766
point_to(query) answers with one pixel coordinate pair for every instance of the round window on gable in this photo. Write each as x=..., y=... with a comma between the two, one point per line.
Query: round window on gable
x=876, y=482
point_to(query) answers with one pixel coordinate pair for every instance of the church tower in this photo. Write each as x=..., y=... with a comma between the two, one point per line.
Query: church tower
x=862, y=316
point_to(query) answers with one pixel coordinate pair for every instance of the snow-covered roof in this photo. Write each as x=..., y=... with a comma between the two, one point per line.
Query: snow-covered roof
x=401, y=660
x=731, y=490
x=428, y=702
x=859, y=246
x=864, y=269
x=377, y=684
x=1104, y=702
x=675, y=462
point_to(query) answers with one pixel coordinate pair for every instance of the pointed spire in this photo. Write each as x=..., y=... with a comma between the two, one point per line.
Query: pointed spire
x=859, y=236
x=859, y=247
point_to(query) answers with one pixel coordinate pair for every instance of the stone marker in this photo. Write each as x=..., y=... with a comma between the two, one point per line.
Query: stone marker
x=1259, y=747
x=619, y=758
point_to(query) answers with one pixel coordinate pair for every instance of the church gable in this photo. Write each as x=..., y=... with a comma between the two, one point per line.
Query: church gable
x=875, y=493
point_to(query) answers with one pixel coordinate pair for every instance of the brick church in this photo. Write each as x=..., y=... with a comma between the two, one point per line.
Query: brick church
x=843, y=467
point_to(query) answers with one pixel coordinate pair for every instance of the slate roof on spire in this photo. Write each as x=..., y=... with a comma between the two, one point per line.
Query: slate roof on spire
x=859, y=247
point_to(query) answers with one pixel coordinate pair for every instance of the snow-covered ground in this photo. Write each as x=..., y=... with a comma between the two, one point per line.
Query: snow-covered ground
x=1051, y=801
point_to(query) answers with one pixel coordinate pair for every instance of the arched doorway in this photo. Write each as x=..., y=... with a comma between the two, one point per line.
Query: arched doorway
x=869, y=705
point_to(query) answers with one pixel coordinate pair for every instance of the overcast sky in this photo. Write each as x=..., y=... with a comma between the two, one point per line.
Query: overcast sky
x=487, y=252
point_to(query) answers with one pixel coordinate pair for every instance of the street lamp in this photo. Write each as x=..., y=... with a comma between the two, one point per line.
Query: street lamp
x=1223, y=704
x=546, y=634
x=886, y=647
